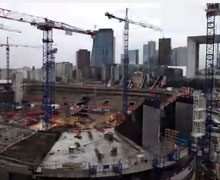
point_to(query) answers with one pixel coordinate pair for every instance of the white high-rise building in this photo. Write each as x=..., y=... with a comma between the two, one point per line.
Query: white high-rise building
x=25, y=72
x=64, y=70
x=179, y=56
x=36, y=74
x=3, y=73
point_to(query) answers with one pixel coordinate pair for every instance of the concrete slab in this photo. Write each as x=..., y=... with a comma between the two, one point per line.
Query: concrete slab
x=133, y=157
x=10, y=135
x=30, y=151
x=59, y=154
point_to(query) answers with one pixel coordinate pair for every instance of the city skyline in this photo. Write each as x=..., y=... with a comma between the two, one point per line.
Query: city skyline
x=93, y=20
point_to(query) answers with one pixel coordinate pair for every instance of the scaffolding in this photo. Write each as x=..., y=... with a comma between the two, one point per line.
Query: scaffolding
x=199, y=114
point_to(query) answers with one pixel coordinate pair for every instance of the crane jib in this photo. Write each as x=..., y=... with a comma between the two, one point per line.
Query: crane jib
x=4, y=12
x=41, y=22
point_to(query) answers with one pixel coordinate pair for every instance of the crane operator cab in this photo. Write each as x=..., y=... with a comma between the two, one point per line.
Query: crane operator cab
x=213, y=9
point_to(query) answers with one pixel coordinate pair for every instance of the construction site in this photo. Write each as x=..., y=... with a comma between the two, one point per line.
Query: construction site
x=139, y=128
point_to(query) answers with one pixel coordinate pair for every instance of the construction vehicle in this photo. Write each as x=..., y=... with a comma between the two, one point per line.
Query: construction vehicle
x=114, y=151
x=46, y=25
x=126, y=58
x=98, y=155
x=77, y=145
x=109, y=136
x=90, y=135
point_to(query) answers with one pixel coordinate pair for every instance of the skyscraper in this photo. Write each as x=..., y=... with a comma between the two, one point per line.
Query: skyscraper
x=164, y=54
x=179, y=56
x=83, y=62
x=145, y=54
x=103, y=48
x=149, y=54
x=64, y=71
x=133, y=56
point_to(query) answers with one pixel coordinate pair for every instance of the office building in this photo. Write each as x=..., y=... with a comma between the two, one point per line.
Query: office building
x=36, y=74
x=193, y=54
x=103, y=48
x=149, y=54
x=164, y=54
x=133, y=56
x=145, y=54
x=3, y=73
x=83, y=62
x=25, y=71
x=179, y=56
x=64, y=71
x=106, y=72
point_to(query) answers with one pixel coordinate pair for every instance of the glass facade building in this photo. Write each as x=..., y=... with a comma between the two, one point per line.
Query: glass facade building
x=103, y=48
x=149, y=54
x=164, y=52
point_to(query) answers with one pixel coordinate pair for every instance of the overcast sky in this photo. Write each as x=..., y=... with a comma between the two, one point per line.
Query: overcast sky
x=177, y=20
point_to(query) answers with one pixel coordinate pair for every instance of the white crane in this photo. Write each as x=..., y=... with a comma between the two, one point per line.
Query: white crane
x=46, y=25
x=126, y=59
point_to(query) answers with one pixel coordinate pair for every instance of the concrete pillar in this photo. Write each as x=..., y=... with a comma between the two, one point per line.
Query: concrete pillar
x=191, y=58
x=17, y=86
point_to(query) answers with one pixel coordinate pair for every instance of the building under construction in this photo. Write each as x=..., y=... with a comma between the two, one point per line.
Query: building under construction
x=89, y=137
x=132, y=130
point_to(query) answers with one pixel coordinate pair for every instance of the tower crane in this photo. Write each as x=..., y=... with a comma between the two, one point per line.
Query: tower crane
x=46, y=25
x=7, y=45
x=212, y=10
x=126, y=58
x=5, y=28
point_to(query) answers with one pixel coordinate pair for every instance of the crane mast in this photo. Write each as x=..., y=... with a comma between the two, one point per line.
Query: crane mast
x=126, y=57
x=48, y=81
x=125, y=64
x=47, y=26
x=8, y=88
x=2, y=27
x=213, y=10
x=7, y=45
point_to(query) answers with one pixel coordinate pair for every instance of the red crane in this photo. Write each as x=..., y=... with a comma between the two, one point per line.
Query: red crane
x=46, y=25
